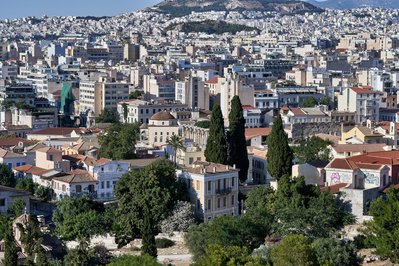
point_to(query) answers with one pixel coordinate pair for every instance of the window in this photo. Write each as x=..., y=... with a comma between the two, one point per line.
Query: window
x=224, y=202
x=9, y=165
x=209, y=185
x=219, y=184
x=224, y=183
x=78, y=188
x=198, y=204
x=63, y=188
x=50, y=157
x=2, y=202
x=209, y=204
x=108, y=185
x=218, y=202
x=232, y=200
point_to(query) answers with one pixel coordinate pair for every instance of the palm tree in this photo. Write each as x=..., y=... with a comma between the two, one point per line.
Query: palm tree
x=177, y=143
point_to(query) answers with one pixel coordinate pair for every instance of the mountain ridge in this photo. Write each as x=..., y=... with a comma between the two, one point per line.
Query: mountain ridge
x=179, y=8
x=350, y=4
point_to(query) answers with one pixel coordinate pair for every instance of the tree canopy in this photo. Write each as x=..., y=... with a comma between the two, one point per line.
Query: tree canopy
x=383, y=229
x=108, y=115
x=7, y=177
x=143, y=260
x=279, y=154
x=216, y=145
x=79, y=217
x=312, y=149
x=118, y=141
x=152, y=191
x=237, y=145
x=309, y=102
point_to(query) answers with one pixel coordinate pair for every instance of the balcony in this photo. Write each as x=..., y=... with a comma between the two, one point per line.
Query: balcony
x=223, y=191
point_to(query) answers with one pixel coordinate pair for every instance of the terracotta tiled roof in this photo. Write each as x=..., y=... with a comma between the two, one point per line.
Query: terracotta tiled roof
x=49, y=150
x=363, y=90
x=359, y=147
x=340, y=163
x=31, y=169
x=164, y=115
x=255, y=132
x=9, y=142
x=55, y=131
x=248, y=107
x=210, y=168
x=213, y=80
x=9, y=154
x=297, y=111
x=76, y=177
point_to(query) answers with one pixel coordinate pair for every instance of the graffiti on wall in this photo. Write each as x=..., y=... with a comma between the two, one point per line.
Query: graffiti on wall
x=371, y=178
x=336, y=178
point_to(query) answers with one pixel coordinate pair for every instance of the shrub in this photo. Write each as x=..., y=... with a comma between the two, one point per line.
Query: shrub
x=164, y=243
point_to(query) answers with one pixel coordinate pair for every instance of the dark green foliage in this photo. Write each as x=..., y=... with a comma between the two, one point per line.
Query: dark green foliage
x=164, y=243
x=231, y=255
x=108, y=115
x=26, y=184
x=80, y=217
x=330, y=251
x=79, y=255
x=153, y=188
x=11, y=250
x=17, y=208
x=135, y=94
x=311, y=149
x=177, y=143
x=148, y=232
x=279, y=154
x=216, y=146
x=225, y=231
x=125, y=112
x=7, y=177
x=4, y=220
x=237, y=145
x=383, y=230
x=203, y=124
x=143, y=260
x=294, y=250
x=326, y=101
x=302, y=209
x=362, y=241
x=41, y=258
x=309, y=102
x=30, y=236
x=118, y=141
x=214, y=27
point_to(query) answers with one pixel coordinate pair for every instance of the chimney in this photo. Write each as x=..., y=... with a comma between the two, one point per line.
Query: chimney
x=234, y=166
x=214, y=169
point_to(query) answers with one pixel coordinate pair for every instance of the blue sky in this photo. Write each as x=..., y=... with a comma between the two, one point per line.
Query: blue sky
x=23, y=8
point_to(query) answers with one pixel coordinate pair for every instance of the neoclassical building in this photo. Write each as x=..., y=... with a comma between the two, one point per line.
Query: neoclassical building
x=198, y=135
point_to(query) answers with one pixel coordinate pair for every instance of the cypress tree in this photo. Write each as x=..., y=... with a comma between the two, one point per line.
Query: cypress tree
x=237, y=145
x=11, y=251
x=279, y=154
x=216, y=146
x=148, y=237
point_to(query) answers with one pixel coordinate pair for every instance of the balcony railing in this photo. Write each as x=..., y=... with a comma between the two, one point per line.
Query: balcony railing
x=223, y=191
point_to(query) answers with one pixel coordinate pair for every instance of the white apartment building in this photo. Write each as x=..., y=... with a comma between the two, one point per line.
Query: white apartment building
x=141, y=111
x=362, y=100
x=158, y=86
x=96, y=95
x=252, y=116
x=213, y=189
x=193, y=93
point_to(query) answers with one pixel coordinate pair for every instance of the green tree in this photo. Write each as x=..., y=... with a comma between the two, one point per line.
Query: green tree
x=203, y=124
x=135, y=94
x=43, y=193
x=30, y=235
x=118, y=141
x=294, y=250
x=41, y=258
x=108, y=115
x=143, y=260
x=17, y=208
x=332, y=252
x=11, y=250
x=154, y=187
x=217, y=255
x=279, y=154
x=148, y=235
x=125, y=112
x=177, y=143
x=237, y=144
x=311, y=149
x=309, y=102
x=26, y=184
x=7, y=177
x=79, y=255
x=79, y=217
x=216, y=145
x=383, y=229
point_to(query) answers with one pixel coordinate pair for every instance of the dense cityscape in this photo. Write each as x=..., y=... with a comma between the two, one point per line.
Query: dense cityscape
x=223, y=133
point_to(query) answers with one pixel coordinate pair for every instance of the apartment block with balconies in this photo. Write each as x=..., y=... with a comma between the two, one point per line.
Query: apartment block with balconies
x=213, y=189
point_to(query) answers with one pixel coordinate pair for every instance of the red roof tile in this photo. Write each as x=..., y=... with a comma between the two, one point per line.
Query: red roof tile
x=255, y=132
x=362, y=90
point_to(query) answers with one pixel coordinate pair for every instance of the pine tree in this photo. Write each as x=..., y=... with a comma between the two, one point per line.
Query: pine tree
x=237, y=145
x=11, y=251
x=148, y=237
x=279, y=154
x=216, y=146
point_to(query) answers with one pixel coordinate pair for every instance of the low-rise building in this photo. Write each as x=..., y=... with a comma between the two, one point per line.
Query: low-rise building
x=213, y=189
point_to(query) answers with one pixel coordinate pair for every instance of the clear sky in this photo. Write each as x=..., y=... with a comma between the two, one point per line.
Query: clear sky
x=24, y=8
